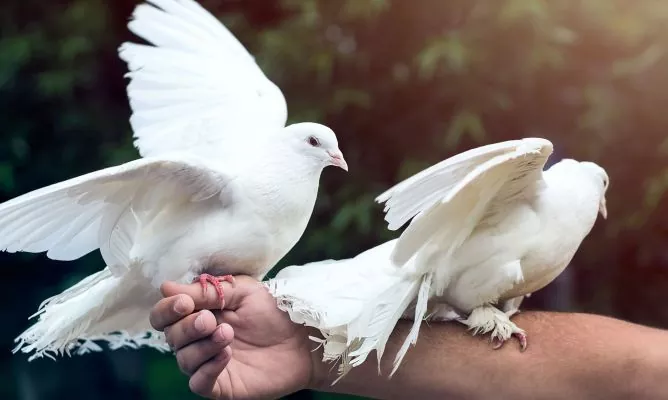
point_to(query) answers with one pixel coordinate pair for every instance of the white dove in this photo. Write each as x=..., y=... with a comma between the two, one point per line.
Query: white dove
x=488, y=227
x=224, y=186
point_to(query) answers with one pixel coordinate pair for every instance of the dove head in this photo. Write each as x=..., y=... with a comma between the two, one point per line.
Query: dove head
x=316, y=142
x=601, y=178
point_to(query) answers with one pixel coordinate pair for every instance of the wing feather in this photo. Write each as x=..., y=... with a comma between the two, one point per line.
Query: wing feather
x=79, y=239
x=463, y=192
x=196, y=85
x=97, y=210
x=406, y=199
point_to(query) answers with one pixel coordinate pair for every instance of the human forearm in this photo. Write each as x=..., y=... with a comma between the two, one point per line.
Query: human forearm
x=569, y=356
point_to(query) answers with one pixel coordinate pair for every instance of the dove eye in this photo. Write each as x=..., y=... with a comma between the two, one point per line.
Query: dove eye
x=313, y=141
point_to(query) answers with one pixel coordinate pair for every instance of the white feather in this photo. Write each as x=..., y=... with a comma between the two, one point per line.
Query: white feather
x=198, y=88
x=489, y=227
x=54, y=217
x=77, y=216
x=225, y=187
x=90, y=311
x=356, y=310
x=461, y=190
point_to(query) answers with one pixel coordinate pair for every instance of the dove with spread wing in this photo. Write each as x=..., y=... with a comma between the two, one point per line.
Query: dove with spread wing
x=487, y=227
x=224, y=186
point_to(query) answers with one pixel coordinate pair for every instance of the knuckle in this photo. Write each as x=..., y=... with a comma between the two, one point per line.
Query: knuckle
x=184, y=332
x=190, y=333
x=169, y=310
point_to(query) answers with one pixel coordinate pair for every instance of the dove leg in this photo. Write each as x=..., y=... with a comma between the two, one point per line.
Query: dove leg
x=205, y=279
x=487, y=319
x=442, y=313
x=512, y=306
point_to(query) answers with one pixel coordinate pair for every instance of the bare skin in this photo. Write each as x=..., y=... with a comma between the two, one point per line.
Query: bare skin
x=251, y=350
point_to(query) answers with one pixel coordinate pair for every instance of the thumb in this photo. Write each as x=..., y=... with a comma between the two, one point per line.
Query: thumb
x=208, y=299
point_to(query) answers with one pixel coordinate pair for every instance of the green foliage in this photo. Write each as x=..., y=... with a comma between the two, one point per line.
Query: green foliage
x=173, y=384
x=403, y=83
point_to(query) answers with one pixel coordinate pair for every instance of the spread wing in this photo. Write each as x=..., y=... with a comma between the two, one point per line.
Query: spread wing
x=448, y=200
x=197, y=89
x=99, y=210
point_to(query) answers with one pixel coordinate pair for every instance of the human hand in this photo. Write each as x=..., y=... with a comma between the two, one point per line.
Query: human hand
x=249, y=350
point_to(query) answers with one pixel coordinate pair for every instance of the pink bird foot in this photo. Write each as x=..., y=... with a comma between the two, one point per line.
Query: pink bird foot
x=521, y=337
x=205, y=279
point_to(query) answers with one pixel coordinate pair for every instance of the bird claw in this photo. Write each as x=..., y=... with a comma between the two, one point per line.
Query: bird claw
x=521, y=337
x=216, y=281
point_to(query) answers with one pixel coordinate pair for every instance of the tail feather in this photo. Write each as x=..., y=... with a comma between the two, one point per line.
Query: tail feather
x=100, y=307
x=420, y=312
x=356, y=305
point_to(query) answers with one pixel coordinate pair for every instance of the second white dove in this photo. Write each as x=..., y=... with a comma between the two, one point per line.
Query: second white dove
x=488, y=227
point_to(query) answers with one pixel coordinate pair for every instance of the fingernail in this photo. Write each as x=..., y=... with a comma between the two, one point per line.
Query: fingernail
x=218, y=336
x=199, y=323
x=180, y=306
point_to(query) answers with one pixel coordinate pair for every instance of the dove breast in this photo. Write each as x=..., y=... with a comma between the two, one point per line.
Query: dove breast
x=258, y=224
x=185, y=240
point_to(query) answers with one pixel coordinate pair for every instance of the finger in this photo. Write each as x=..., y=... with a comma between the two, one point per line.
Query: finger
x=191, y=329
x=204, y=381
x=169, y=310
x=194, y=355
x=234, y=294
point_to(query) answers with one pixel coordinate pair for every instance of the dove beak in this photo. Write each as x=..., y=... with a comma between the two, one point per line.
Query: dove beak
x=602, y=208
x=336, y=159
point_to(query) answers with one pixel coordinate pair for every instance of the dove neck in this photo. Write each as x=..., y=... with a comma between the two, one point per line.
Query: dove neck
x=572, y=194
x=284, y=183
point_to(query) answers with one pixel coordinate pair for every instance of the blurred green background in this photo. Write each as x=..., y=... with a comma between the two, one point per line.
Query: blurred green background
x=404, y=84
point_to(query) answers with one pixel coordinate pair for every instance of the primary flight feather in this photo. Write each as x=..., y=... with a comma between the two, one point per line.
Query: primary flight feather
x=487, y=227
x=224, y=187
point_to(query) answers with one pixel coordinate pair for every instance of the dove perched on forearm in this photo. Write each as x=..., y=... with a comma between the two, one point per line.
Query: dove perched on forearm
x=224, y=186
x=488, y=227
